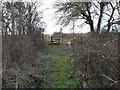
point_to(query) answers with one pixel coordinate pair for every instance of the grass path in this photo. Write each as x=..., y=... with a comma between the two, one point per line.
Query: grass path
x=59, y=75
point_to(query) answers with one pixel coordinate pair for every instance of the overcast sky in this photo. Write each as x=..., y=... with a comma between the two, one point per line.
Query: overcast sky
x=48, y=15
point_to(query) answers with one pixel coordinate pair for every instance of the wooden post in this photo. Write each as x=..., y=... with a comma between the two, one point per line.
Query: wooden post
x=51, y=39
x=61, y=35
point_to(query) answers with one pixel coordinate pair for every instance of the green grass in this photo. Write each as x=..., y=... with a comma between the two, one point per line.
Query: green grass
x=57, y=78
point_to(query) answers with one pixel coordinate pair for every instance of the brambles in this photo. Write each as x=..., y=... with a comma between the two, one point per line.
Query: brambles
x=20, y=55
x=93, y=59
x=22, y=44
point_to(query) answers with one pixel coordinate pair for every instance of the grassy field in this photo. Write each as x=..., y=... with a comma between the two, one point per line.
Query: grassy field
x=59, y=74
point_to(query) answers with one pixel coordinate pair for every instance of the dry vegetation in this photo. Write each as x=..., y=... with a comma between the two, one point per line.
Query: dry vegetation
x=95, y=58
x=96, y=61
x=20, y=63
x=22, y=34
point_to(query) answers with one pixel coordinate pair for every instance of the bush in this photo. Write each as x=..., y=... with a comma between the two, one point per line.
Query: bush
x=20, y=63
x=96, y=60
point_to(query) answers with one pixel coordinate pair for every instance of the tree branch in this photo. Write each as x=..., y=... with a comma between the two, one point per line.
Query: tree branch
x=110, y=78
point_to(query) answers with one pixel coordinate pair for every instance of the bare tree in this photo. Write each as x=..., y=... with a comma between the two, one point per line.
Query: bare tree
x=102, y=6
x=111, y=18
x=90, y=12
x=20, y=17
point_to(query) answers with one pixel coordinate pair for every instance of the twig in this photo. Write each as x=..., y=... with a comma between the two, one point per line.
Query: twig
x=109, y=78
x=109, y=42
x=16, y=85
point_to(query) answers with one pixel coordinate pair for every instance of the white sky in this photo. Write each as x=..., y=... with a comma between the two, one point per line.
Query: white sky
x=48, y=15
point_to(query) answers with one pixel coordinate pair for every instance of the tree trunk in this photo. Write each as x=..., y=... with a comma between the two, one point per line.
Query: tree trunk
x=100, y=17
x=13, y=25
x=91, y=26
x=109, y=21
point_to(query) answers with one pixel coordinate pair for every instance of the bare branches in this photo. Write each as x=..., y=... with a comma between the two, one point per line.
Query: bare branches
x=110, y=42
x=72, y=11
x=110, y=79
x=20, y=17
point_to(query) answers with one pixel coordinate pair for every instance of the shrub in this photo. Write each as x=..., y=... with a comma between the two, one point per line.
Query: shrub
x=20, y=63
x=96, y=60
